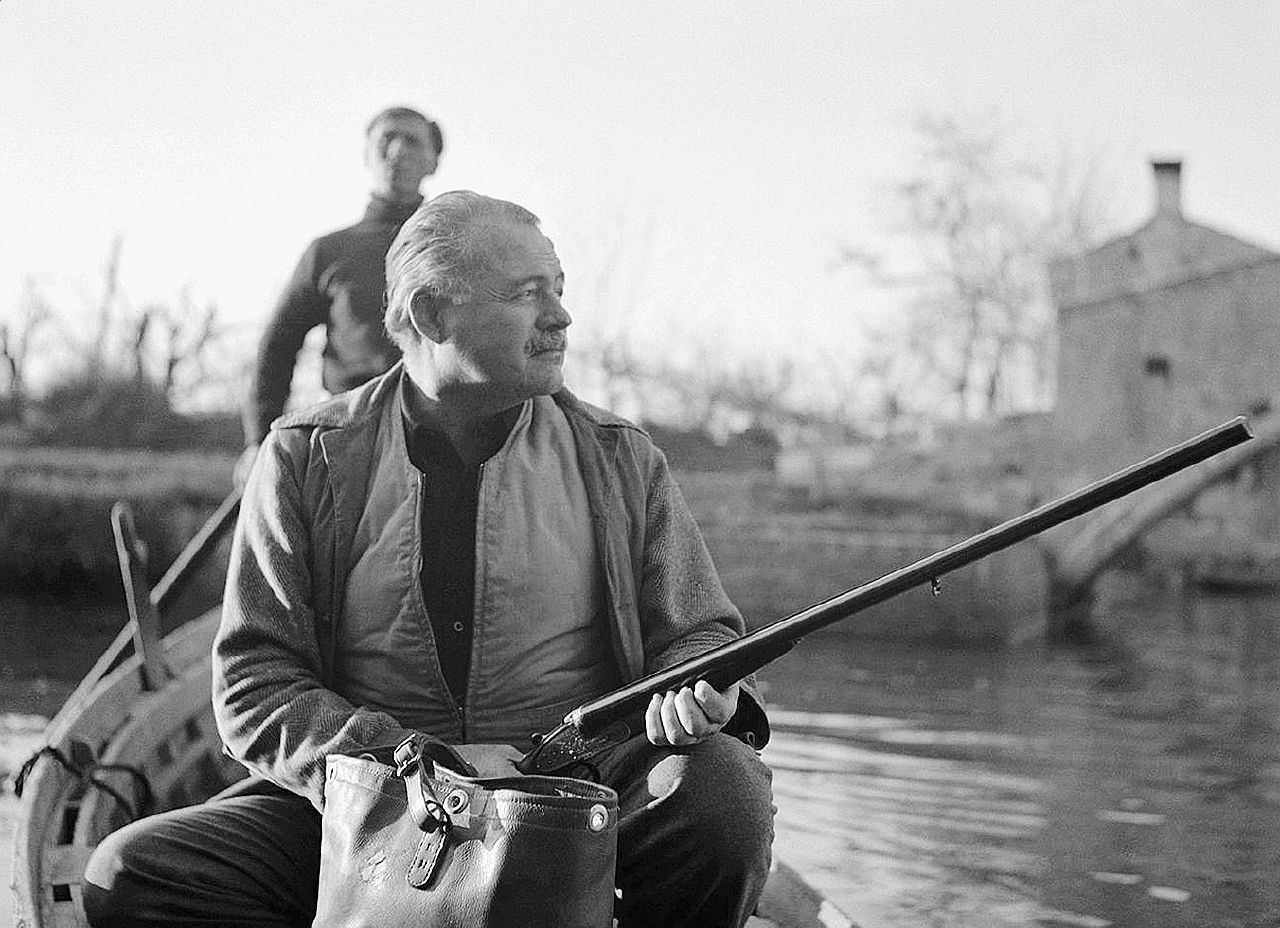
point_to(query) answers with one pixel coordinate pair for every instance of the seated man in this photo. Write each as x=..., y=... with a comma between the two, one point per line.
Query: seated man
x=462, y=549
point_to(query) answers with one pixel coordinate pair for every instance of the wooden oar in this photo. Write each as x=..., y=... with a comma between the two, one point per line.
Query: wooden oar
x=175, y=579
x=198, y=549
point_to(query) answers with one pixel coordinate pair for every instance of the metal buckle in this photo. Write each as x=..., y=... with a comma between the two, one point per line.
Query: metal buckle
x=406, y=754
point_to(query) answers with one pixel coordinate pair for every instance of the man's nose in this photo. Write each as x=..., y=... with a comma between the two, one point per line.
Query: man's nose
x=394, y=148
x=554, y=315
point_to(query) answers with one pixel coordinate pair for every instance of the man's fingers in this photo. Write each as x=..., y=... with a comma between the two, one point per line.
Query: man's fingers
x=653, y=721
x=671, y=723
x=692, y=719
x=688, y=716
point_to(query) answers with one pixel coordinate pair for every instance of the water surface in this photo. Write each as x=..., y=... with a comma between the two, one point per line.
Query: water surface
x=1135, y=784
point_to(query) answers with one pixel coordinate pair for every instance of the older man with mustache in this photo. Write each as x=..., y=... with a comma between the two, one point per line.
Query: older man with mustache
x=461, y=550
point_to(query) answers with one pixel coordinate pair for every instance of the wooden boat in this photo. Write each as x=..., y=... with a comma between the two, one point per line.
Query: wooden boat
x=139, y=730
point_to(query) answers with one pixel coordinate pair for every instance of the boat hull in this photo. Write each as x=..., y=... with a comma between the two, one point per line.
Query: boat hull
x=169, y=736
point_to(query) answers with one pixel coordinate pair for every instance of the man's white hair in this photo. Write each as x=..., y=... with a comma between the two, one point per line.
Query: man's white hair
x=438, y=250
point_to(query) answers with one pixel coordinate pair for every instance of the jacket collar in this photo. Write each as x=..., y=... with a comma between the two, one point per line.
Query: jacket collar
x=354, y=407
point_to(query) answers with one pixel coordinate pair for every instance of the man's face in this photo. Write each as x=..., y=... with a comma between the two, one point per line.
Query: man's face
x=399, y=154
x=509, y=339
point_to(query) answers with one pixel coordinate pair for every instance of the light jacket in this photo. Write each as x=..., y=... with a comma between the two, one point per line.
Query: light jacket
x=285, y=585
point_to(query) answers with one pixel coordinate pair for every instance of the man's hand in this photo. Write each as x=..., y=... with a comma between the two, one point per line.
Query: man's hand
x=491, y=760
x=689, y=716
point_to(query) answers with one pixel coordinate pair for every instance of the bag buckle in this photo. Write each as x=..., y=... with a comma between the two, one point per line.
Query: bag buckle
x=407, y=751
x=441, y=754
x=430, y=815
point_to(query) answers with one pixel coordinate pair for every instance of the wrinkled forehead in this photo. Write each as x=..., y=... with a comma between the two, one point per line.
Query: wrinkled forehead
x=518, y=251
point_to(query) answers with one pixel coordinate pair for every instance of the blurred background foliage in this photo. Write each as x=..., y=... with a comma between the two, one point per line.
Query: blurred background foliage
x=102, y=398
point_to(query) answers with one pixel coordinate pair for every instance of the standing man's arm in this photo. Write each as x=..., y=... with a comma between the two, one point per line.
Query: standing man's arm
x=301, y=308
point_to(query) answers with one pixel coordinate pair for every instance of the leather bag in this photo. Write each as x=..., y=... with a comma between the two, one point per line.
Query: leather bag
x=420, y=844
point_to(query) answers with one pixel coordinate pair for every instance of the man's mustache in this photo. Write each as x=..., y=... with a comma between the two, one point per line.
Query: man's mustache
x=555, y=344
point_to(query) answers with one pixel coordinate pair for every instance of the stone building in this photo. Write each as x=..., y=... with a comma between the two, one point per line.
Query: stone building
x=1165, y=331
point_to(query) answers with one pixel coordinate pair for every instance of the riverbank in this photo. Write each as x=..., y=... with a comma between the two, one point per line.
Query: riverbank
x=778, y=553
x=55, y=506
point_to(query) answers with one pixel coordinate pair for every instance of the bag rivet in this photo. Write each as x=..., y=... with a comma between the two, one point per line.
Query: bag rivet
x=455, y=802
x=597, y=818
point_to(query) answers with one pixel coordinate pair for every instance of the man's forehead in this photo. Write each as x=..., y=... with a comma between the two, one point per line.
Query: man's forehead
x=399, y=123
x=519, y=250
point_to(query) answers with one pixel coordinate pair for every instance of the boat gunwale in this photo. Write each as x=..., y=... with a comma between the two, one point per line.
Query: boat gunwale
x=105, y=709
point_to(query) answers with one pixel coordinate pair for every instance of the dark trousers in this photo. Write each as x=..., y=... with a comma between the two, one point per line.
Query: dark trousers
x=694, y=835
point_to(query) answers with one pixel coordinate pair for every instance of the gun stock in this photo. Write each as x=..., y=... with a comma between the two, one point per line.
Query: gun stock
x=614, y=717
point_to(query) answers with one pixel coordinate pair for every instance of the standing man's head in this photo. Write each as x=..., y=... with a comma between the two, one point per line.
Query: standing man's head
x=402, y=148
x=473, y=300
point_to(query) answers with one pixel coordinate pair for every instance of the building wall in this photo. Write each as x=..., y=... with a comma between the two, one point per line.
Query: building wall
x=1096, y=401
x=1146, y=369
x=1219, y=336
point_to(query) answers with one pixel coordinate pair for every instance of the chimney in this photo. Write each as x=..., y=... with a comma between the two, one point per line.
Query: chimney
x=1168, y=175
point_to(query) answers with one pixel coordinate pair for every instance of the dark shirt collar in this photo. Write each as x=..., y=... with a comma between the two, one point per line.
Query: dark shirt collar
x=381, y=209
x=428, y=444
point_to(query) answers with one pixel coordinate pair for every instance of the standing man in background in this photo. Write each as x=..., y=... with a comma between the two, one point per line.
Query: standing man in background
x=339, y=280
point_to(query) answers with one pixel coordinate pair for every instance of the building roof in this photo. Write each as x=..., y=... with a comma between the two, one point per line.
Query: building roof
x=1169, y=249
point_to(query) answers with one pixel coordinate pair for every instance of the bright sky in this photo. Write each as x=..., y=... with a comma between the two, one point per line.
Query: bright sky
x=723, y=147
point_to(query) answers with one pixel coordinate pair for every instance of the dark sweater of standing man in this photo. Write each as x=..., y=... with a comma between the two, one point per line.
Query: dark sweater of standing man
x=340, y=278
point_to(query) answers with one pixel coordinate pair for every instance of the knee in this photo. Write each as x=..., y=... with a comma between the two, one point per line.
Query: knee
x=113, y=890
x=726, y=797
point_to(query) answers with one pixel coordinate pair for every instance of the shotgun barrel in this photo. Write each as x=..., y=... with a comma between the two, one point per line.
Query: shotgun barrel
x=601, y=722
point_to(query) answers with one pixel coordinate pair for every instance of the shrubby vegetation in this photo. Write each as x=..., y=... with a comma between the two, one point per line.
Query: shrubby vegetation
x=123, y=412
x=55, y=505
x=92, y=390
x=106, y=373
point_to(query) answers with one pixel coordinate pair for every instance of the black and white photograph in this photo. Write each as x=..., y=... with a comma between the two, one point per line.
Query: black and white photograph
x=640, y=465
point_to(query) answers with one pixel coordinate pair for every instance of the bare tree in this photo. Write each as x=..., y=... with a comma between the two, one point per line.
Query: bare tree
x=98, y=358
x=984, y=211
x=187, y=334
x=17, y=341
x=164, y=347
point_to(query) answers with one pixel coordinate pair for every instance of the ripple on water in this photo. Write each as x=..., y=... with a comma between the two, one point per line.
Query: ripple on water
x=936, y=786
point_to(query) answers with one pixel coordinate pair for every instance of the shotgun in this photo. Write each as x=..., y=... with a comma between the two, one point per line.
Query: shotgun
x=607, y=720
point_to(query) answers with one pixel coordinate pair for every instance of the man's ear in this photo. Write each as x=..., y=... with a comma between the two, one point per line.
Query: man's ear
x=427, y=315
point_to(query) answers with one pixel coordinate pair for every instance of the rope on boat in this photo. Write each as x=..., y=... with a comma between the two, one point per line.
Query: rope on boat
x=88, y=775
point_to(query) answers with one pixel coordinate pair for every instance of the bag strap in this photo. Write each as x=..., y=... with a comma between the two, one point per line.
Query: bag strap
x=425, y=808
x=428, y=813
x=431, y=818
x=435, y=750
